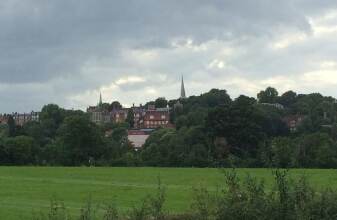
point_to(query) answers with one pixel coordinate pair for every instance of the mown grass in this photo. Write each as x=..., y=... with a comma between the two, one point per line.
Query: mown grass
x=24, y=190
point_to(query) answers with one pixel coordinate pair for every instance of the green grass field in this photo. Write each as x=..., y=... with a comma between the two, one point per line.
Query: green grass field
x=27, y=189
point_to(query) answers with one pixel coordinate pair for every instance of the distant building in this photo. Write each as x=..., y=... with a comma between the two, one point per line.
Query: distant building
x=119, y=115
x=293, y=121
x=3, y=118
x=98, y=114
x=139, y=113
x=20, y=118
x=23, y=118
x=155, y=118
x=276, y=105
x=144, y=118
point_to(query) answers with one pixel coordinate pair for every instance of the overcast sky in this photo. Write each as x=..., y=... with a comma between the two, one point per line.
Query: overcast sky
x=67, y=51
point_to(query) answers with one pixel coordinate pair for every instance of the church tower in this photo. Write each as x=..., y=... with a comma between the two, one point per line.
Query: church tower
x=182, y=90
x=100, y=103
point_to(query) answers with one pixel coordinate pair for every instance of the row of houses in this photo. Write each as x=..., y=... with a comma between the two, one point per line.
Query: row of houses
x=148, y=117
x=20, y=118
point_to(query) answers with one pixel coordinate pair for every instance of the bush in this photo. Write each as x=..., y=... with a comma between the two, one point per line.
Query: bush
x=249, y=199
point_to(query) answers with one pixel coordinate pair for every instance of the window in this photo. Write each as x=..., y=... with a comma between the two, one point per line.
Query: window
x=151, y=117
x=163, y=117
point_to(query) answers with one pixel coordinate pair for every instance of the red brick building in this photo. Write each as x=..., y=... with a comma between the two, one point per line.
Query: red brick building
x=149, y=117
x=293, y=121
x=20, y=118
x=157, y=118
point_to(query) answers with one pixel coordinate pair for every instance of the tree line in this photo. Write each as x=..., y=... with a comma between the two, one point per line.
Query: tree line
x=211, y=130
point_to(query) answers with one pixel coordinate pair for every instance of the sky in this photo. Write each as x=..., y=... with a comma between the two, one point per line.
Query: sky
x=68, y=51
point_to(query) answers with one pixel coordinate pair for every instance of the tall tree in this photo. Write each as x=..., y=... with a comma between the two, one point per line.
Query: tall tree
x=160, y=102
x=80, y=140
x=11, y=126
x=115, y=105
x=268, y=96
x=240, y=124
x=288, y=98
x=130, y=118
x=51, y=117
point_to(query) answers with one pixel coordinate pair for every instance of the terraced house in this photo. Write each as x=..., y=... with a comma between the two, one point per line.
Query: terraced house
x=144, y=117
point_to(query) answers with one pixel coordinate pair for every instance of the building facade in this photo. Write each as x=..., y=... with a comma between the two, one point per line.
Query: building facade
x=149, y=117
x=20, y=118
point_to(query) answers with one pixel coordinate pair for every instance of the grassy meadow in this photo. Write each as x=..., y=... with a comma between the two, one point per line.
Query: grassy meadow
x=24, y=190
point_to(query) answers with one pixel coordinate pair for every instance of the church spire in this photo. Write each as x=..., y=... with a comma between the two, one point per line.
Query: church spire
x=100, y=100
x=182, y=90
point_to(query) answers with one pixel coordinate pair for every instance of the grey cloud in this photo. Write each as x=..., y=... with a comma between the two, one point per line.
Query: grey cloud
x=74, y=46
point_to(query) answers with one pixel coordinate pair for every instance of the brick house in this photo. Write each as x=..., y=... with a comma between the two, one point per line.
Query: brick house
x=156, y=118
x=293, y=121
x=23, y=118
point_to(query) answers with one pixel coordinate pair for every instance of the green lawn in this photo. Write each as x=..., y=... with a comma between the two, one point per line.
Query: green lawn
x=27, y=189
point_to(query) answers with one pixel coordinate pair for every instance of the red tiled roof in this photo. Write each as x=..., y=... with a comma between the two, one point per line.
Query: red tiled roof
x=136, y=132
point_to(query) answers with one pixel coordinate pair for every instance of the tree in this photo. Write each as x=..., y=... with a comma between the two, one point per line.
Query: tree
x=51, y=117
x=80, y=140
x=149, y=103
x=105, y=106
x=130, y=118
x=21, y=150
x=283, y=152
x=215, y=97
x=3, y=131
x=11, y=126
x=316, y=150
x=160, y=102
x=268, y=96
x=33, y=129
x=239, y=123
x=115, y=106
x=288, y=98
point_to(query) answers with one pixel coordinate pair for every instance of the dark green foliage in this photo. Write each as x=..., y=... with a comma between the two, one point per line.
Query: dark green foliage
x=11, y=126
x=316, y=150
x=240, y=123
x=19, y=150
x=288, y=99
x=51, y=117
x=167, y=147
x=115, y=105
x=130, y=118
x=210, y=130
x=282, y=152
x=81, y=141
x=160, y=102
x=269, y=95
x=249, y=199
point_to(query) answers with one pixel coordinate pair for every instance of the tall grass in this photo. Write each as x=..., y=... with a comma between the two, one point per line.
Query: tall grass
x=237, y=199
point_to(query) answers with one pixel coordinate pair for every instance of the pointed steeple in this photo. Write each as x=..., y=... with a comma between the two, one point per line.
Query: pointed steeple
x=100, y=103
x=182, y=90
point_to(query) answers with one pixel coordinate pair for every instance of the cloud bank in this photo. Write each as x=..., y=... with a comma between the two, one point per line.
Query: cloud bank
x=67, y=51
